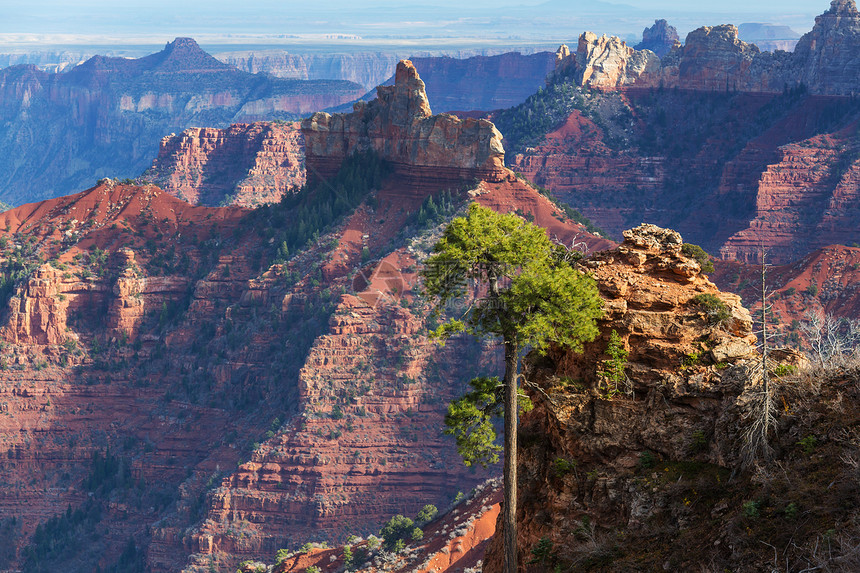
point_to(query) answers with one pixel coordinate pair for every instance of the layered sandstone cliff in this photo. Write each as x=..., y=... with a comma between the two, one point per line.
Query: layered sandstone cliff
x=245, y=164
x=734, y=172
x=365, y=446
x=828, y=58
x=400, y=127
x=714, y=58
x=805, y=200
x=366, y=68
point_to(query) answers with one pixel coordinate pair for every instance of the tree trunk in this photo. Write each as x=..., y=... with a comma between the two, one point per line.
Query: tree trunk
x=510, y=508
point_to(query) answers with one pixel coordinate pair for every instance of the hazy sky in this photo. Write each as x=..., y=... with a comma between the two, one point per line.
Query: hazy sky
x=26, y=21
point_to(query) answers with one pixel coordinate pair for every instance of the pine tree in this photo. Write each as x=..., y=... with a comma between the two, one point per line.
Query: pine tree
x=534, y=297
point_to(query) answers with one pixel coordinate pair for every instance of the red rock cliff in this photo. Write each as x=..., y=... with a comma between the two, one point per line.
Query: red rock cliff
x=245, y=164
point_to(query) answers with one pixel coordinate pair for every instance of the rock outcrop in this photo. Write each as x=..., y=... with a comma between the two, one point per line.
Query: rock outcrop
x=668, y=477
x=245, y=164
x=825, y=60
x=454, y=542
x=400, y=127
x=582, y=443
x=608, y=62
x=659, y=38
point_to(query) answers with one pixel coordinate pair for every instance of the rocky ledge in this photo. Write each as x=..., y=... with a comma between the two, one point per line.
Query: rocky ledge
x=582, y=444
x=826, y=60
x=399, y=126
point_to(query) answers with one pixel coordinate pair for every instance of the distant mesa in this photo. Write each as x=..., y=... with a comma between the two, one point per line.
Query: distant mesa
x=769, y=37
x=106, y=116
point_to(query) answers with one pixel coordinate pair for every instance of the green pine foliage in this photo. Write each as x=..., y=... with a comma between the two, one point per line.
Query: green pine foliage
x=395, y=533
x=19, y=262
x=436, y=209
x=716, y=311
x=541, y=299
x=57, y=538
x=470, y=419
x=427, y=514
x=698, y=253
x=526, y=125
x=107, y=472
x=613, y=376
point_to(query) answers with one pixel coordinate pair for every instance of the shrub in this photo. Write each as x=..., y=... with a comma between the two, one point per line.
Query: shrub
x=426, y=515
x=347, y=556
x=542, y=553
x=698, y=253
x=396, y=531
x=698, y=442
x=647, y=460
x=614, y=378
x=563, y=467
x=751, y=509
x=281, y=556
x=808, y=444
x=716, y=311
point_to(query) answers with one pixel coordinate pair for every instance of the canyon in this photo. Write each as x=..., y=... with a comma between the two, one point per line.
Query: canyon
x=312, y=379
x=105, y=117
x=735, y=173
x=228, y=356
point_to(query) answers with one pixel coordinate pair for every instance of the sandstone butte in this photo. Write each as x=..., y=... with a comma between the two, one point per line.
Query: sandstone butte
x=158, y=335
x=400, y=127
x=826, y=60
